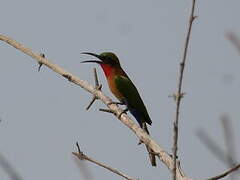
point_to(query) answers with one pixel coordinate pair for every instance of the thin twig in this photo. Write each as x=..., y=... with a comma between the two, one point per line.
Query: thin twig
x=179, y=93
x=106, y=110
x=225, y=173
x=83, y=156
x=125, y=119
x=97, y=86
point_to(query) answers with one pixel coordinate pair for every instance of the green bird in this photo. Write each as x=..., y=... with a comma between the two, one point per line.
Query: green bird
x=124, y=90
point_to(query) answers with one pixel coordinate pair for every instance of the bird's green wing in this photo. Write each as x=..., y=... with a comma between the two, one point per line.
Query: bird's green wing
x=132, y=97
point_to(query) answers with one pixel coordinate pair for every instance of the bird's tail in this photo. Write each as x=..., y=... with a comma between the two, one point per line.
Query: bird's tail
x=150, y=151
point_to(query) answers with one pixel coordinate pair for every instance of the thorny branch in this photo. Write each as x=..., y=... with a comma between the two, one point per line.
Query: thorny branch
x=179, y=94
x=144, y=137
x=83, y=156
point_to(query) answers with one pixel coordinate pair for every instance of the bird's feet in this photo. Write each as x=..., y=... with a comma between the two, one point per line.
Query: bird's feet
x=117, y=103
x=124, y=111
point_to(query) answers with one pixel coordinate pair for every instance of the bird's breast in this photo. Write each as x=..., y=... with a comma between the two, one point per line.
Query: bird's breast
x=113, y=87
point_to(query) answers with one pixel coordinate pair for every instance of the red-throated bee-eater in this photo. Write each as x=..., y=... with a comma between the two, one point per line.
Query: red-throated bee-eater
x=124, y=89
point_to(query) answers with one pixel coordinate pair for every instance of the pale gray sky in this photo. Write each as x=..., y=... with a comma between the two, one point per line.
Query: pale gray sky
x=43, y=115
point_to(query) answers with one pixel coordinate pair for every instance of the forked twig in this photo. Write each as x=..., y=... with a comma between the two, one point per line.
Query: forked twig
x=83, y=156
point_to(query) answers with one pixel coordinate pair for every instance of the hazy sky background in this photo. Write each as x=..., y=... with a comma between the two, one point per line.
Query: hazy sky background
x=43, y=115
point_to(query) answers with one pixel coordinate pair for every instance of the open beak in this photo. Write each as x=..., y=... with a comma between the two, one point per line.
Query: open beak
x=92, y=61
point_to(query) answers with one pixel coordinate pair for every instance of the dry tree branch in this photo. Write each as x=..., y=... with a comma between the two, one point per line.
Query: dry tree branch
x=225, y=173
x=178, y=96
x=144, y=137
x=83, y=156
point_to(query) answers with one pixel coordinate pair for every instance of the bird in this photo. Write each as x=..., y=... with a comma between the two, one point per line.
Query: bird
x=124, y=90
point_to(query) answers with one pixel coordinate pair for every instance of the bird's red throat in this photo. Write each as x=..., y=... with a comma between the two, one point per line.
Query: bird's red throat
x=107, y=69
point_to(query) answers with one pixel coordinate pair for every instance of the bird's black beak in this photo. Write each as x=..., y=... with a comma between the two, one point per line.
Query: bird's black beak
x=92, y=61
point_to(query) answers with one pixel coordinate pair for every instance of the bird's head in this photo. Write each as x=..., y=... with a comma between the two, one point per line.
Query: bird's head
x=108, y=58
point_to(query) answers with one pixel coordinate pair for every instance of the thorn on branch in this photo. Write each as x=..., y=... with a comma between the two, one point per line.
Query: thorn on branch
x=107, y=110
x=177, y=96
x=81, y=155
x=93, y=98
x=97, y=87
x=195, y=17
x=68, y=77
x=192, y=19
x=172, y=155
x=40, y=64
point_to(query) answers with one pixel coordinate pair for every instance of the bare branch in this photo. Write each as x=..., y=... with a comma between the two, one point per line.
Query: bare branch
x=179, y=94
x=144, y=137
x=225, y=173
x=83, y=156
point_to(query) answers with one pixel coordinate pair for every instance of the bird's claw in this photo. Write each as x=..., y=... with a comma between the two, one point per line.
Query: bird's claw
x=124, y=111
x=117, y=103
